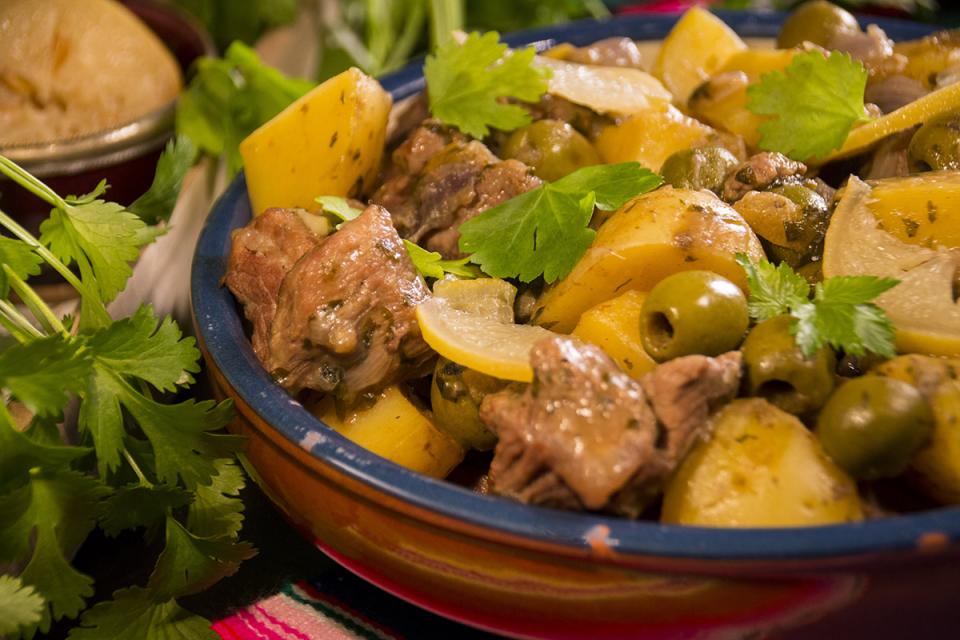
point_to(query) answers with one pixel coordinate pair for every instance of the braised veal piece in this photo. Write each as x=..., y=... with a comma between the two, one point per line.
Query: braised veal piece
x=585, y=435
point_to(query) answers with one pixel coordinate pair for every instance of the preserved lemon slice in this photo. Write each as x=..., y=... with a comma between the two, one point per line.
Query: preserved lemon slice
x=490, y=297
x=482, y=343
x=922, y=307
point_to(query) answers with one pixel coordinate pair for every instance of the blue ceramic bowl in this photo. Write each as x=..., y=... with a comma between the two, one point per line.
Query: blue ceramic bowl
x=533, y=572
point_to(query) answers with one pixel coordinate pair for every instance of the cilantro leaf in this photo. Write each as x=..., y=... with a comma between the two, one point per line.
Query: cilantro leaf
x=19, y=453
x=137, y=505
x=431, y=264
x=215, y=510
x=20, y=258
x=57, y=510
x=229, y=98
x=774, y=290
x=339, y=207
x=101, y=237
x=42, y=372
x=135, y=613
x=840, y=314
x=20, y=605
x=544, y=231
x=466, y=81
x=814, y=102
x=189, y=563
x=157, y=203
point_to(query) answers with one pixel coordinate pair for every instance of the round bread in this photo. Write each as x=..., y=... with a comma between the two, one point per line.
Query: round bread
x=70, y=68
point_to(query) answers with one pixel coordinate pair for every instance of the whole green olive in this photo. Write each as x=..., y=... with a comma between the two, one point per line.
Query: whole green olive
x=693, y=312
x=936, y=145
x=871, y=426
x=778, y=371
x=455, y=397
x=551, y=147
x=818, y=22
x=702, y=168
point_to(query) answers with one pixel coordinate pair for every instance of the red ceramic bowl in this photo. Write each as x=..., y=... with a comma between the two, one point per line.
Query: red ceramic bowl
x=539, y=573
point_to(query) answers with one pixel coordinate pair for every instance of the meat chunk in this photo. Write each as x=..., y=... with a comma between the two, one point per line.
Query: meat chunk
x=894, y=92
x=585, y=435
x=609, y=52
x=440, y=180
x=871, y=47
x=261, y=254
x=345, y=319
x=760, y=171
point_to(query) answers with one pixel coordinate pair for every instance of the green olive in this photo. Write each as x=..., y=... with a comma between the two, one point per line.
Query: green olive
x=778, y=371
x=455, y=397
x=702, y=168
x=693, y=312
x=552, y=147
x=806, y=233
x=936, y=145
x=872, y=426
x=817, y=22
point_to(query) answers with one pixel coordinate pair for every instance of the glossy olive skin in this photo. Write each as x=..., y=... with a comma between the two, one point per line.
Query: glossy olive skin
x=872, y=426
x=551, y=147
x=693, y=312
x=818, y=22
x=701, y=168
x=936, y=145
x=779, y=372
x=455, y=396
x=806, y=234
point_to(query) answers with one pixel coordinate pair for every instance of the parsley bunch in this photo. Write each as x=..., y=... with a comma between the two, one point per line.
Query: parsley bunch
x=141, y=462
x=840, y=314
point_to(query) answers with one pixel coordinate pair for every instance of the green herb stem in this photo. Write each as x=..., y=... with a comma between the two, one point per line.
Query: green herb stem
x=136, y=468
x=13, y=171
x=407, y=40
x=446, y=16
x=13, y=227
x=44, y=315
x=13, y=316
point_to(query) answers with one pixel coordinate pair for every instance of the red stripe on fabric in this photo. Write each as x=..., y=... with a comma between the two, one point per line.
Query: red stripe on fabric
x=361, y=618
x=280, y=623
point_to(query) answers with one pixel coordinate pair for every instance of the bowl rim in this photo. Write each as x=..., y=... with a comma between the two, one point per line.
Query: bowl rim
x=220, y=330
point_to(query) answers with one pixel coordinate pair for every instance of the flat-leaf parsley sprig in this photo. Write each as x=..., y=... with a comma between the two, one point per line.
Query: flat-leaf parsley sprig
x=465, y=84
x=841, y=313
x=814, y=103
x=140, y=463
x=545, y=231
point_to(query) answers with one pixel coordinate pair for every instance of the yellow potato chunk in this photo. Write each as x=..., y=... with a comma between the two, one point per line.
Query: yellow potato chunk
x=329, y=142
x=929, y=56
x=697, y=46
x=650, y=137
x=652, y=236
x=756, y=62
x=393, y=427
x=760, y=468
x=614, y=326
x=923, y=209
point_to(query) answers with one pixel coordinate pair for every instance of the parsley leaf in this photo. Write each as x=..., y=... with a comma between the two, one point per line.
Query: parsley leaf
x=466, y=81
x=229, y=98
x=431, y=264
x=20, y=258
x=216, y=511
x=101, y=237
x=57, y=510
x=544, y=231
x=42, y=372
x=840, y=314
x=20, y=605
x=774, y=290
x=338, y=207
x=157, y=203
x=135, y=613
x=137, y=505
x=815, y=102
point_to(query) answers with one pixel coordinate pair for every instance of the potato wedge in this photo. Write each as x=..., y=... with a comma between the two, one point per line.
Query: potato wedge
x=397, y=430
x=649, y=238
x=329, y=142
x=697, y=46
x=651, y=137
x=614, y=326
x=760, y=468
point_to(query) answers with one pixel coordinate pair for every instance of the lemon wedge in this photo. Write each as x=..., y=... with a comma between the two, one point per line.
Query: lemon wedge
x=922, y=307
x=479, y=342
